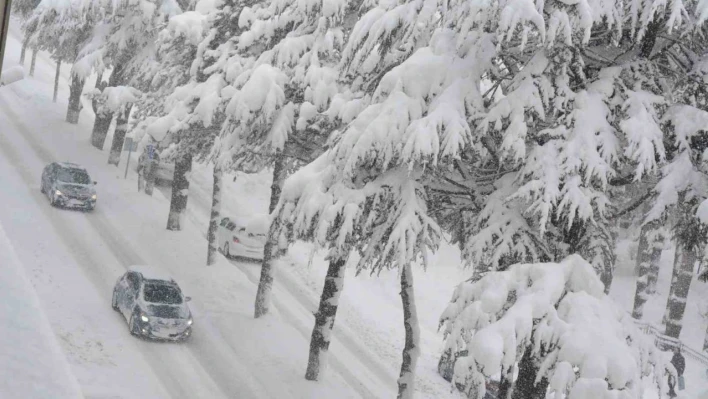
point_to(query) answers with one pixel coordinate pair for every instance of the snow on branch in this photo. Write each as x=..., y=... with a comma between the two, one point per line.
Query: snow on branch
x=580, y=342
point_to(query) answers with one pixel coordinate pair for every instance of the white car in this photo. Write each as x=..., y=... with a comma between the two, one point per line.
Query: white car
x=243, y=239
x=153, y=305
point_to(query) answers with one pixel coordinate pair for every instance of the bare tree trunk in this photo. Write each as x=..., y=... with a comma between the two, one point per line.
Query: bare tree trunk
x=103, y=120
x=180, y=192
x=648, y=254
x=324, y=318
x=56, y=81
x=24, y=50
x=653, y=276
x=674, y=277
x=686, y=260
x=119, y=135
x=270, y=250
x=215, y=212
x=75, y=89
x=411, y=349
x=34, y=61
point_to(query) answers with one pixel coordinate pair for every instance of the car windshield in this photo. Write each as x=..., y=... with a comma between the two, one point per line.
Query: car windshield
x=76, y=176
x=162, y=293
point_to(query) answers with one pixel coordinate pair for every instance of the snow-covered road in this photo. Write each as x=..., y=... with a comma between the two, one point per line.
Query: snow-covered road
x=89, y=250
x=74, y=258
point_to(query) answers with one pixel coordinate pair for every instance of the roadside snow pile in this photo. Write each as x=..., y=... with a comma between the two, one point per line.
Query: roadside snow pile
x=32, y=364
x=554, y=322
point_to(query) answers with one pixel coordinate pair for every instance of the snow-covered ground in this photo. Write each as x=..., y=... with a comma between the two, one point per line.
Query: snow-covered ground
x=73, y=259
x=31, y=352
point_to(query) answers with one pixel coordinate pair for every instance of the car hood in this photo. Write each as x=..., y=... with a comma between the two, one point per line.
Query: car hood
x=167, y=311
x=76, y=189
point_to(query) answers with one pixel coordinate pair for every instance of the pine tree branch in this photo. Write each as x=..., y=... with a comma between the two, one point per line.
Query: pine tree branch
x=634, y=206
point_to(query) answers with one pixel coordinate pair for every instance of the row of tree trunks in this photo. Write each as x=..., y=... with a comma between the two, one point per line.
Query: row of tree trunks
x=215, y=213
x=180, y=192
x=270, y=250
x=75, y=89
x=119, y=135
x=648, y=255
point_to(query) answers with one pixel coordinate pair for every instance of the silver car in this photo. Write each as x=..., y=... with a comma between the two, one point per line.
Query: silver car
x=153, y=305
x=68, y=185
x=243, y=239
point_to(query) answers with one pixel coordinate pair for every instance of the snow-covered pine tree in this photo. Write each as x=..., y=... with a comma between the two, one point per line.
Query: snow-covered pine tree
x=62, y=28
x=555, y=323
x=548, y=109
x=124, y=38
x=683, y=188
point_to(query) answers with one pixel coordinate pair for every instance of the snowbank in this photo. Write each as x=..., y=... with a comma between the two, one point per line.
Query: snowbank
x=32, y=364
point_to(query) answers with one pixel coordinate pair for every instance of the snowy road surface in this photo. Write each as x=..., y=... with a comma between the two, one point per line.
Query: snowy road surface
x=74, y=258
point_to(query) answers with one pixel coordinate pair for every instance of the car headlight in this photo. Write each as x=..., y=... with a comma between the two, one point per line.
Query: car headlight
x=93, y=197
x=144, y=317
x=190, y=321
x=59, y=193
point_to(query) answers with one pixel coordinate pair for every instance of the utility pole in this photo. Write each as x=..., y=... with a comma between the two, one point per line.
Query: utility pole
x=5, y=20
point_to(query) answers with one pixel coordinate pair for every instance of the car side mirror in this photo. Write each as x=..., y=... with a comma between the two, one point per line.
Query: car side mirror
x=187, y=298
x=94, y=183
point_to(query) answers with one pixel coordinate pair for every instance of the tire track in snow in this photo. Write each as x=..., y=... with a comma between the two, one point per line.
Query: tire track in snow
x=211, y=359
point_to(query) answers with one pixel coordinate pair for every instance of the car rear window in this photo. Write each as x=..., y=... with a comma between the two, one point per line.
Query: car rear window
x=162, y=293
x=76, y=176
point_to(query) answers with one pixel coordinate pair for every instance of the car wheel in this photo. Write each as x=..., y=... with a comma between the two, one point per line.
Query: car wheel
x=133, y=325
x=114, y=301
x=226, y=250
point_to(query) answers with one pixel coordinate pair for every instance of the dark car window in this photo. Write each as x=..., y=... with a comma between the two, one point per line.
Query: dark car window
x=224, y=221
x=76, y=176
x=162, y=293
x=132, y=282
x=230, y=226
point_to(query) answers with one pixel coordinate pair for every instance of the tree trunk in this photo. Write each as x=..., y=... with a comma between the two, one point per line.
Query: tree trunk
x=674, y=277
x=119, y=135
x=686, y=260
x=24, y=50
x=180, y=192
x=56, y=81
x=34, y=61
x=525, y=386
x=324, y=318
x=215, y=212
x=103, y=120
x=75, y=89
x=648, y=254
x=653, y=275
x=411, y=349
x=270, y=250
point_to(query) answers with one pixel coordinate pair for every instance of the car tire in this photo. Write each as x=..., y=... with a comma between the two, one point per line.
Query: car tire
x=225, y=251
x=114, y=301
